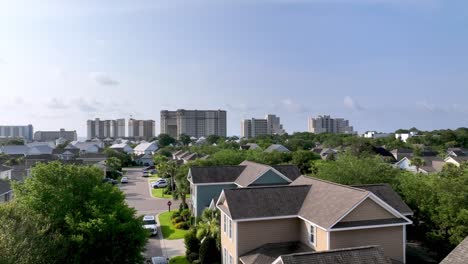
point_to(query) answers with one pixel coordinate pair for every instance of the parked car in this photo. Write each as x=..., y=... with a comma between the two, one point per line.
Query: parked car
x=109, y=180
x=161, y=183
x=146, y=174
x=158, y=260
x=149, y=223
x=124, y=180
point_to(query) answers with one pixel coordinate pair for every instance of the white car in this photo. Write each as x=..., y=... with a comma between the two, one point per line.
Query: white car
x=146, y=174
x=124, y=180
x=150, y=224
x=161, y=183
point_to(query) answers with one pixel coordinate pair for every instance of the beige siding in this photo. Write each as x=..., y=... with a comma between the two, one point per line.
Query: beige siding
x=368, y=210
x=254, y=234
x=321, y=238
x=389, y=238
x=226, y=242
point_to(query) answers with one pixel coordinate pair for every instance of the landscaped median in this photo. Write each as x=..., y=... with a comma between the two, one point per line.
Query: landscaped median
x=179, y=260
x=159, y=192
x=168, y=229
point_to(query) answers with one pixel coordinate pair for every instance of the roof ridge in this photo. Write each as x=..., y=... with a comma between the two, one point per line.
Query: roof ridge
x=370, y=184
x=333, y=250
x=334, y=183
x=269, y=187
x=218, y=166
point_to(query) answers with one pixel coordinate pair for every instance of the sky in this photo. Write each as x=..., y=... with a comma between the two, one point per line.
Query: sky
x=382, y=64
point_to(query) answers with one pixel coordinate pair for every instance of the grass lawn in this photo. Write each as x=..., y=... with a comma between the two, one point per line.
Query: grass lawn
x=167, y=228
x=178, y=260
x=159, y=191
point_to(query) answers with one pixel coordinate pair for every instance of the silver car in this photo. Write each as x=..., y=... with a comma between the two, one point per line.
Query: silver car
x=149, y=223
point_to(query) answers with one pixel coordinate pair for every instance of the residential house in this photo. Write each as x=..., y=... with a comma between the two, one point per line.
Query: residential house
x=315, y=214
x=66, y=154
x=5, y=172
x=145, y=148
x=457, y=152
x=85, y=147
x=276, y=147
x=459, y=255
x=122, y=147
x=249, y=146
x=431, y=164
x=40, y=149
x=206, y=183
x=16, y=150
x=366, y=254
x=401, y=153
x=144, y=160
x=92, y=158
x=6, y=193
x=456, y=160
x=176, y=154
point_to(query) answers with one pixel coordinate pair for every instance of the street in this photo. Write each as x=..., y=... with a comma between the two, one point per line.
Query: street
x=138, y=196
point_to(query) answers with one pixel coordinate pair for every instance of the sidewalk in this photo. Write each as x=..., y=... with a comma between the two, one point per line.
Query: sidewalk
x=171, y=248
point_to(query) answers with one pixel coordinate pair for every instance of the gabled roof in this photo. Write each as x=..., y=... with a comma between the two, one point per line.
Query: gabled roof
x=267, y=253
x=15, y=149
x=93, y=156
x=320, y=202
x=119, y=146
x=144, y=146
x=277, y=147
x=459, y=255
x=40, y=149
x=4, y=168
x=275, y=201
x=387, y=194
x=242, y=175
x=357, y=255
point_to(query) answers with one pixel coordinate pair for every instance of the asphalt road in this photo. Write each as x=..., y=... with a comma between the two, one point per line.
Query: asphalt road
x=138, y=196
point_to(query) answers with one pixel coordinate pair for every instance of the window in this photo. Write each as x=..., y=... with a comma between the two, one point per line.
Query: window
x=230, y=228
x=312, y=234
x=225, y=259
x=230, y=259
x=225, y=223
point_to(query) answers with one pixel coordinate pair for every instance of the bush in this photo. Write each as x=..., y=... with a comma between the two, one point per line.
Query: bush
x=177, y=219
x=182, y=225
x=209, y=252
x=192, y=257
x=185, y=214
x=182, y=207
x=175, y=214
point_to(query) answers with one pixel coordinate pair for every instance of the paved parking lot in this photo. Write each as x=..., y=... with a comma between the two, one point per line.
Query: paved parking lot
x=138, y=196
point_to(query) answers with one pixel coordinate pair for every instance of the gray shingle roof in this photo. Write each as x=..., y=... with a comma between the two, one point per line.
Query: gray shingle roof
x=276, y=147
x=459, y=255
x=271, y=201
x=4, y=168
x=268, y=253
x=357, y=255
x=215, y=174
x=371, y=222
x=242, y=174
x=387, y=194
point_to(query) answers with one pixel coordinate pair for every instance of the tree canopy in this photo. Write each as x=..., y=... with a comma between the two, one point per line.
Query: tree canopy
x=66, y=214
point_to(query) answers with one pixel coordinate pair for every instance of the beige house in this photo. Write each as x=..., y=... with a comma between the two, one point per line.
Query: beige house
x=310, y=215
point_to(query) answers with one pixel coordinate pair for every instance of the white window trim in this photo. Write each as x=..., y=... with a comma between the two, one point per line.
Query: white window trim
x=225, y=256
x=231, y=259
x=224, y=224
x=314, y=228
x=230, y=229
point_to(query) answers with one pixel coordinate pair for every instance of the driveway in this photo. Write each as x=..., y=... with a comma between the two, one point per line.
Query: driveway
x=138, y=196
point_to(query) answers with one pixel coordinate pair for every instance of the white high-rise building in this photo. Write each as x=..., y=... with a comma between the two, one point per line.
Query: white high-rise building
x=25, y=132
x=105, y=128
x=141, y=129
x=326, y=124
x=259, y=127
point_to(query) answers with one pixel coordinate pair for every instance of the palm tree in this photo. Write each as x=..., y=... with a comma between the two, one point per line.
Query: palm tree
x=182, y=186
x=168, y=169
x=209, y=225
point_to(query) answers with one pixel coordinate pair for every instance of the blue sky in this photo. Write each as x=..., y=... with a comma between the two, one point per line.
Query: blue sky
x=382, y=64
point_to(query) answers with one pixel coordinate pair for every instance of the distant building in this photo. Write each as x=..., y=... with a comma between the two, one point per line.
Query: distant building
x=194, y=123
x=259, y=127
x=404, y=136
x=106, y=128
x=374, y=134
x=326, y=124
x=25, y=132
x=141, y=129
x=54, y=135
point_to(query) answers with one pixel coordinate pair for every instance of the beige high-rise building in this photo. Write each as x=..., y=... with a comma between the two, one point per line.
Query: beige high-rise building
x=141, y=129
x=54, y=135
x=194, y=123
x=259, y=127
x=105, y=128
x=326, y=124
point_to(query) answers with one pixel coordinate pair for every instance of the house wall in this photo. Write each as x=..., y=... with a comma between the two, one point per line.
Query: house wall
x=229, y=243
x=205, y=193
x=389, y=238
x=321, y=237
x=5, y=174
x=253, y=234
x=368, y=210
x=270, y=178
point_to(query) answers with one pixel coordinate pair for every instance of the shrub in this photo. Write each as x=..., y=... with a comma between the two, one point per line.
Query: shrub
x=209, y=252
x=192, y=257
x=185, y=214
x=175, y=214
x=182, y=225
x=182, y=207
x=177, y=219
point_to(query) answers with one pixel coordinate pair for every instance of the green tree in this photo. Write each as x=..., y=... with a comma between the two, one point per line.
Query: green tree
x=114, y=166
x=165, y=140
x=158, y=159
x=417, y=162
x=302, y=159
x=185, y=139
x=65, y=214
x=125, y=159
x=208, y=226
x=182, y=187
x=168, y=170
x=211, y=139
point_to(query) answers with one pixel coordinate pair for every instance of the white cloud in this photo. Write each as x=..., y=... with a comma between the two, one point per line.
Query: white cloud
x=55, y=103
x=86, y=106
x=292, y=106
x=351, y=104
x=103, y=78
